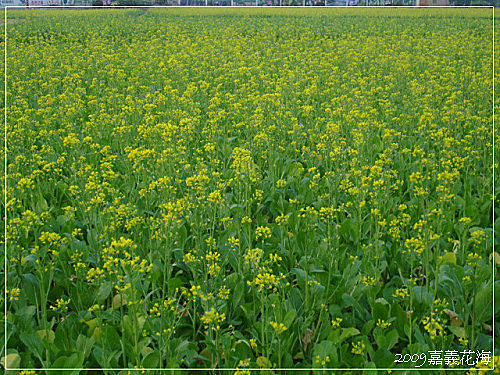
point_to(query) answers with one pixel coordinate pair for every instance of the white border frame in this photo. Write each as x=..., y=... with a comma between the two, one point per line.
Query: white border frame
x=248, y=369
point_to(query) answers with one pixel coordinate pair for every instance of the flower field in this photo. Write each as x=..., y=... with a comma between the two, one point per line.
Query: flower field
x=249, y=188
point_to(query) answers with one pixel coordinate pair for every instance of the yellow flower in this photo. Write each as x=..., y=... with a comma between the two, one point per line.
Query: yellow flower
x=253, y=343
x=223, y=292
x=266, y=280
x=26, y=183
x=280, y=183
x=433, y=325
x=336, y=322
x=243, y=164
x=189, y=258
x=465, y=221
x=246, y=220
x=14, y=294
x=477, y=237
x=234, y=242
x=368, y=280
x=275, y=257
x=472, y=259
x=414, y=244
x=278, y=327
x=321, y=361
x=382, y=323
x=61, y=305
x=263, y=232
x=215, y=196
x=212, y=318
x=282, y=219
x=253, y=256
x=401, y=293
x=358, y=348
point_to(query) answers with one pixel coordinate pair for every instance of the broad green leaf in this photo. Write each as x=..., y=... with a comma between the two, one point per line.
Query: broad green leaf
x=458, y=331
x=33, y=343
x=289, y=317
x=12, y=360
x=151, y=360
x=484, y=303
x=391, y=339
x=238, y=292
x=346, y=333
x=46, y=335
x=104, y=291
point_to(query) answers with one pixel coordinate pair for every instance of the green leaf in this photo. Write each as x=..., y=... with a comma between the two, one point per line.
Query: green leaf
x=110, y=338
x=289, y=317
x=84, y=345
x=174, y=283
x=323, y=349
x=391, y=339
x=92, y=323
x=47, y=336
x=367, y=327
x=118, y=301
x=182, y=348
x=26, y=311
x=12, y=360
x=101, y=356
x=369, y=365
x=380, y=309
x=401, y=318
x=151, y=360
x=484, y=303
x=421, y=295
x=458, y=331
x=301, y=275
x=238, y=292
x=345, y=334
x=75, y=360
x=33, y=343
x=31, y=286
x=104, y=291
x=242, y=350
x=383, y=358
x=497, y=297
x=296, y=298
x=295, y=169
x=247, y=311
x=348, y=230
x=41, y=204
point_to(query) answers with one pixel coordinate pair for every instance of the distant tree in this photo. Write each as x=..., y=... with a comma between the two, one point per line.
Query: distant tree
x=132, y=2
